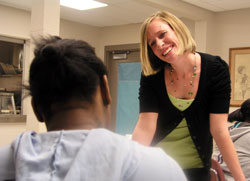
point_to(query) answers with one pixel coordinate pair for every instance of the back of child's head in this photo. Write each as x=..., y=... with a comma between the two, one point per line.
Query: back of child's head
x=242, y=114
x=63, y=69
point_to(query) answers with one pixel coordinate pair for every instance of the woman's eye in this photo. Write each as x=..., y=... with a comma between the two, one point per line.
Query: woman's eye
x=162, y=34
x=152, y=43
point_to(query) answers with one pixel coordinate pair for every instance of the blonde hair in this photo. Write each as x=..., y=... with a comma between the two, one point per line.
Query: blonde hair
x=149, y=62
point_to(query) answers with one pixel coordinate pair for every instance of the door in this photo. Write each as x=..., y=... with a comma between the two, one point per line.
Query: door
x=124, y=67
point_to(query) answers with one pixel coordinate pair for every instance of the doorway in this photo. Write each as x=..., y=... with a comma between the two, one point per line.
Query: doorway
x=123, y=63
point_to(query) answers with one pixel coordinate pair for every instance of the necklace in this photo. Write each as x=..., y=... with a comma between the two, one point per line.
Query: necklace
x=191, y=82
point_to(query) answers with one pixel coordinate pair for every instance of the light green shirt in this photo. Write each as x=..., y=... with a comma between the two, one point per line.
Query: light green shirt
x=178, y=143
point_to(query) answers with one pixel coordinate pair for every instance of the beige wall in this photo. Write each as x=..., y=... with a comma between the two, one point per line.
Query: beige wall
x=118, y=35
x=231, y=30
x=224, y=30
x=14, y=22
x=190, y=24
x=74, y=30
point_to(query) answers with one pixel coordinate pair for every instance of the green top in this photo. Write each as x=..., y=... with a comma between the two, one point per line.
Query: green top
x=178, y=144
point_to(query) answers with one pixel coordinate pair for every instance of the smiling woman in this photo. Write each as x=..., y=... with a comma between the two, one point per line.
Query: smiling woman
x=184, y=98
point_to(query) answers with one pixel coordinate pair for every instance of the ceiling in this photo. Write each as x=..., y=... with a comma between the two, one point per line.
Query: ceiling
x=121, y=12
x=220, y=5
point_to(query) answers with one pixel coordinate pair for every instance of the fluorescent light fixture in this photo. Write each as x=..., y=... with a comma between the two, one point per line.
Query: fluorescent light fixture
x=82, y=4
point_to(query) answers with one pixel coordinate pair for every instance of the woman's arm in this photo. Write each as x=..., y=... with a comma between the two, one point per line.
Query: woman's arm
x=220, y=133
x=145, y=128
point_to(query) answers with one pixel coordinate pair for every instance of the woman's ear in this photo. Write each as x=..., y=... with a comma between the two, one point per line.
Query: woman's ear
x=36, y=111
x=105, y=91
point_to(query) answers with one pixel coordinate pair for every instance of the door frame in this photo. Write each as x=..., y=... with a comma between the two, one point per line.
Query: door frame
x=113, y=81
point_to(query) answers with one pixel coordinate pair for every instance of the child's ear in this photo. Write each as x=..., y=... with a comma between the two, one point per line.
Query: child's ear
x=37, y=111
x=105, y=91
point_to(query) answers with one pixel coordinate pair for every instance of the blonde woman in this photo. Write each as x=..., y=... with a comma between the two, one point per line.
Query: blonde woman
x=184, y=98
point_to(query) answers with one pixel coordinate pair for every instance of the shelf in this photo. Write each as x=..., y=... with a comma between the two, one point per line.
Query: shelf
x=11, y=75
x=12, y=118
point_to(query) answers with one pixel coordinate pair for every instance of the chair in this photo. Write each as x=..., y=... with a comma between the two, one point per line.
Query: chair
x=216, y=172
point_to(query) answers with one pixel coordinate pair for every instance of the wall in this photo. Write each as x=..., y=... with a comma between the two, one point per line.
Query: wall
x=231, y=30
x=190, y=24
x=14, y=22
x=117, y=35
x=87, y=33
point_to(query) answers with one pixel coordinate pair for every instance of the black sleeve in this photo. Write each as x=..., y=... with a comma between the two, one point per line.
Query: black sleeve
x=147, y=95
x=219, y=87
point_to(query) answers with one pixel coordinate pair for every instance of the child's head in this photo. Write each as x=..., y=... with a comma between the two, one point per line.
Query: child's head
x=242, y=114
x=62, y=71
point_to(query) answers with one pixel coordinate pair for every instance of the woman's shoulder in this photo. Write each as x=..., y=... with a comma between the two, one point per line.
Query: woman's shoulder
x=213, y=60
x=213, y=65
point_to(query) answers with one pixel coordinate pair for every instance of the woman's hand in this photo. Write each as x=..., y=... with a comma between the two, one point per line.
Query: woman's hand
x=220, y=133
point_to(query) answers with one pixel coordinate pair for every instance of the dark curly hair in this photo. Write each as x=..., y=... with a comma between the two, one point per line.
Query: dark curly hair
x=63, y=69
x=242, y=114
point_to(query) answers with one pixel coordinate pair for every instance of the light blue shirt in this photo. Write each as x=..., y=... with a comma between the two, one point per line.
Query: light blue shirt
x=97, y=155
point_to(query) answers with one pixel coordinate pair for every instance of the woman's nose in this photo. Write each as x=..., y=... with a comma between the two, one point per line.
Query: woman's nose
x=160, y=43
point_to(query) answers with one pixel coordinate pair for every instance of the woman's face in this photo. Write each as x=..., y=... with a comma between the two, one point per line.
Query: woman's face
x=162, y=40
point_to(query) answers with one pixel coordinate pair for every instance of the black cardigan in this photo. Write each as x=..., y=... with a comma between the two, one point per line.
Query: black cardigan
x=213, y=96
